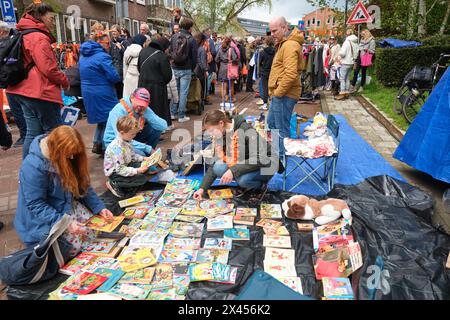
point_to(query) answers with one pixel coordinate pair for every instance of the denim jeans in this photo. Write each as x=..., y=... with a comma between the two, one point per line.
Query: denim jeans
x=17, y=113
x=183, y=78
x=148, y=136
x=251, y=180
x=260, y=86
x=209, y=81
x=279, y=118
x=40, y=117
x=346, y=70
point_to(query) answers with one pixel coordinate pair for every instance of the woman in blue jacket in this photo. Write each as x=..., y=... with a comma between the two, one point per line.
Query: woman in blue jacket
x=98, y=78
x=54, y=181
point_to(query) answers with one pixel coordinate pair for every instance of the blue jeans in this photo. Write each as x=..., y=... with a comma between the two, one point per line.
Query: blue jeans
x=251, y=180
x=346, y=70
x=260, y=87
x=17, y=113
x=279, y=118
x=149, y=136
x=209, y=81
x=40, y=117
x=183, y=78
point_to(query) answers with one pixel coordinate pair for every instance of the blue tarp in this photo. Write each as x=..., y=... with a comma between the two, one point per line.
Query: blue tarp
x=396, y=43
x=426, y=144
x=357, y=162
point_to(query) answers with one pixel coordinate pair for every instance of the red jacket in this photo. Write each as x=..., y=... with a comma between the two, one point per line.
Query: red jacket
x=44, y=80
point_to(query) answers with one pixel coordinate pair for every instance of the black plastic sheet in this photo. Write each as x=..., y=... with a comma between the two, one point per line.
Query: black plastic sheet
x=391, y=221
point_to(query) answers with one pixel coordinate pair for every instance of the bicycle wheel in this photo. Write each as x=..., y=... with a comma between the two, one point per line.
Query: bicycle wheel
x=402, y=94
x=412, y=106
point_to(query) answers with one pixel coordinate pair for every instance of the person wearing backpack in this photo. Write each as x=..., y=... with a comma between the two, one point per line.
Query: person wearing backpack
x=183, y=52
x=39, y=94
x=349, y=54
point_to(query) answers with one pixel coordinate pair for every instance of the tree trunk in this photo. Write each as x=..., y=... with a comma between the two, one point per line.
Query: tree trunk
x=422, y=19
x=411, y=17
x=445, y=21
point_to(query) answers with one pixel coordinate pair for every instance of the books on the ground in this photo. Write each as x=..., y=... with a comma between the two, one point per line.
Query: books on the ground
x=84, y=283
x=129, y=291
x=99, y=297
x=187, y=230
x=163, y=276
x=218, y=243
x=280, y=255
x=280, y=269
x=99, y=246
x=338, y=263
x=162, y=294
x=146, y=238
x=181, y=283
x=283, y=231
x=182, y=243
x=337, y=288
x=271, y=211
x=76, y=264
x=141, y=276
x=173, y=200
x=233, y=276
x=220, y=194
x=171, y=256
x=137, y=212
x=180, y=268
x=187, y=218
x=269, y=224
x=247, y=212
x=131, y=202
x=237, y=234
x=295, y=283
x=212, y=255
x=100, y=224
x=245, y=220
x=277, y=241
x=150, y=196
x=209, y=271
x=305, y=227
x=220, y=223
x=140, y=259
x=166, y=213
x=155, y=247
x=332, y=236
x=102, y=262
x=113, y=277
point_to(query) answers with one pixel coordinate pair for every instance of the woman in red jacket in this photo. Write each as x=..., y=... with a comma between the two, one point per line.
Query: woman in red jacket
x=40, y=94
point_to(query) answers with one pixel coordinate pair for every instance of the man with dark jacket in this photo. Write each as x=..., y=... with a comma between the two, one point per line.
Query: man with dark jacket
x=183, y=69
x=266, y=60
x=117, y=51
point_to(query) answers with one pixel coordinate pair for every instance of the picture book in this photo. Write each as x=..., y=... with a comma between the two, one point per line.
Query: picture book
x=76, y=264
x=182, y=243
x=100, y=224
x=85, y=283
x=142, y=276
x=212, y=255
x=137, y=260
x=338, y=263
x=220, y=223
x=130, y=291
x=218, y=243
x=167, y=213
x=163, y=276
x=269, y=224
x=173, y=200
x=146, y=238
x=181, y=283
x=221, y=272
x=237, y=234
x=163, y=294
x=156, y=249
x=153, y=159
x=279, y=270
x=295, y=283
x=305, y=227
x=171, y=256
x=131, y=202
x=186, y=230
x=113, y=277
x=233, y=276
x=223, y=206
x=102, y=262
x=277, y=241
x=247, y=212
x=220, y=194
x=245, y=220
x=180, y=268
x=188, y=218
x=270, y=211
x=283, y=231
x=271, y=232
x=99, y=297
x=98, y=245
x=150, y=196
x=61, y=294
x=280, y=255
x=200, y=272
x=332, y=236
x=337, y=288
x=143, y=225
x=137, y=212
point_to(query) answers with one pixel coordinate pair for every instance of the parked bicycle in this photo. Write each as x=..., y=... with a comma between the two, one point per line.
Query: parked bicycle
x=416, y=88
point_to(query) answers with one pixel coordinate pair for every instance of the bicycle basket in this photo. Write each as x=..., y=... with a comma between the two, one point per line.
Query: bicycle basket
x=421, y=75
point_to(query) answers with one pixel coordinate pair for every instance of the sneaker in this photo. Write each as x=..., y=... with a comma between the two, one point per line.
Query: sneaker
x=263, y=107
x=185, y=119
x=260, y=102
x=114, y=190
x=19, y=143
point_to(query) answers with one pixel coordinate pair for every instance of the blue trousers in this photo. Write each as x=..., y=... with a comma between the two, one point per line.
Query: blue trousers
x=148, y=136
x=17, y=113
x=183, y=78
x=279, y=119
x=252, y=180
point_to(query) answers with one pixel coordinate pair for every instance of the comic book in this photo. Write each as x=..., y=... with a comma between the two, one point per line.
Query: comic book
x=212, y=255
x=200, y=272
x=100, y=224
x=332, y=236
x=181, y=283
x=156, y=249
x=146, y=238
x=269, y=224
x=192, y=208
x=220, y=194
x=277, y=241
x=187, y=230
x=271, y=211
x=220, y=223
x=177, y=256
x=244, y=220
x=173, y=200
x=166, y=213
x=247, y=212
x=99, y=245
x=141, y=276
x=131, y=202
x=337, y=288
x=85, y=283
x=218, y=243
x=163, y=276
x=237, y=234
x=129, y=291
x=163, y=294
x=76, y=264
x=113, y=277
x=182, y=243
x=140, y=259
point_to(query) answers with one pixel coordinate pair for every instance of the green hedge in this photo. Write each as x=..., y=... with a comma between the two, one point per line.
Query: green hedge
x=392, y=65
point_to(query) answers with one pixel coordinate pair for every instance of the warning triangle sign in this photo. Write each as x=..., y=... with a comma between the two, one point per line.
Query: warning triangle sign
x=359, y=15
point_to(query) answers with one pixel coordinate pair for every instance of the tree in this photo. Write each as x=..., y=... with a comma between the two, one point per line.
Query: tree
x=444, y=24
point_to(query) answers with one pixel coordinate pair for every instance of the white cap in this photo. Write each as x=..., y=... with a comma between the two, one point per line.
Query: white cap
x=251, y=39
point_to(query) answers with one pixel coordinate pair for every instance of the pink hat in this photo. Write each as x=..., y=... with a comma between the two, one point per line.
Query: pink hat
x=142, y=95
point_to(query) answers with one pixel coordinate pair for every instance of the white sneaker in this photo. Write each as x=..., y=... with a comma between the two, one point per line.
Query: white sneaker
x=185, y=119
x=263, y=107
x=260, y=102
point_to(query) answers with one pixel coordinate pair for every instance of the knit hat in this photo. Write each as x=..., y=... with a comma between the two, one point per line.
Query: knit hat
x=139, y=39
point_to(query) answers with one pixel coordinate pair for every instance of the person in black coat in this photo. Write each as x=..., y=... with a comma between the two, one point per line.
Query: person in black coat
x=117, y=50
x=266, y=60
x=155, y=73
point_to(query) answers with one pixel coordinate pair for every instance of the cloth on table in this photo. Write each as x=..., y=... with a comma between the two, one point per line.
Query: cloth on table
x=312, y=148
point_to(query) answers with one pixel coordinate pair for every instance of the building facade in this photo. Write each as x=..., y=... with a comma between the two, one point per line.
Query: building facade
x=321, y=22
x=254, y=27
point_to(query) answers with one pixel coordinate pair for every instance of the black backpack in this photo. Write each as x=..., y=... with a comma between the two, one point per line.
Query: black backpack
x=12, y=66
x=180, y=49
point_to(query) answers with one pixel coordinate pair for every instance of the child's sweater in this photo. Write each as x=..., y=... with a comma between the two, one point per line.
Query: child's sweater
x=119, y=154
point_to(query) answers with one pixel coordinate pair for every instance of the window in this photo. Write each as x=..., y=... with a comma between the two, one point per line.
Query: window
x=58, y=29
x=318, y=23
x=69, y=28
x=309, y=23
x=127, y=23
x=81, y=29
x=141, y=2
x=314, y=21
x=136, y=27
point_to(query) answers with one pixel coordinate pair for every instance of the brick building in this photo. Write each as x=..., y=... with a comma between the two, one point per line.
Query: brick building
x=321, y=22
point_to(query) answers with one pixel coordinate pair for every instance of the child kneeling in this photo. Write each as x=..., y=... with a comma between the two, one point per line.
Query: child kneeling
x=122, y=165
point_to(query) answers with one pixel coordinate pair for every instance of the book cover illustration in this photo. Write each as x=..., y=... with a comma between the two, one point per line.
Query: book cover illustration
x=280, y=255
x=200, y=272
x=237, y=234
x=76, y=264
x=220, y=194
x=283, y=231
x=143, y=225
x=332, y=236
x=162, y=294
x=155, y=247
x=182, y=243
x=269, y=224
x=99, y=246
x=146, y=238
x=305, y=227
x=279, y=270
x=212, y=255
x=137, y=212
x=247, y=212
x=163, y=276
x=140, y=259
x=337, y=288
x=221, y=272
x=220, y=223
x=61, y=294
x=102, y=262
x=129, y=291
x=173, y=200
x=233, y=277
x=244, y=220
x=180, y=268
x=277, y=241
x=131, y=202
x=166, y=213
x=100, y=224
x=172, y=256
x=218, y=243
x=85, y=283
x=271, y=211
x=150, y=197
x=113, y=277
x=141, y=276
x=187, y=230
x=181, y=283
x=153, y=159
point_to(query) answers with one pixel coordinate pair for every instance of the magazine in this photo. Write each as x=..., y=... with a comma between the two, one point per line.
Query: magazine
x=277, y=241
x=131, y=202
x=129, y=291
x=218, y=243
x=220, y=194
x=237, y=234
x=76, y=264
x=247, y=212
x=100, y=224
x=84, y=283
x=337, y=288
x=271, y=211
x=220, y=223
x=113, y=277
x=140, y=259
x=212, y=255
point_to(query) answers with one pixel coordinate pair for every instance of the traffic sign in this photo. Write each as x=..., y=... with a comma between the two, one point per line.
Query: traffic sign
x=8, y=14
x=359, y=15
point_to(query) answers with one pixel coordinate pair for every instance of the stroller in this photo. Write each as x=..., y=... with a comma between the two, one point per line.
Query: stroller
x=194, y=101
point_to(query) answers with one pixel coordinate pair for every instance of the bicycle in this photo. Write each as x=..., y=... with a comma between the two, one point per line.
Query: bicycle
x=416, y=87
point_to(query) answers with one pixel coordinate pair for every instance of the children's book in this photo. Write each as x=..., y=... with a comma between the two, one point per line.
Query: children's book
x=187, y=230
x=146, y=238
x=163, y=294
x=212, y=255
x=85, y=283
x=269, y=224
x=201, y=272
x=181, y=283
x=280, y=270
x=102, y=262
x=163, y=276
x=245, y=220
x=113, y=277
x=143, y=225
x=280, y=255
x=180, y=268
x=61, y=294
x=332, y=236
x=173, y=200
x=187, y=218
x=150, y=196
x=153, y=159
x=156, y=249
x=218, y=243
x=337, y=288
x=305, y=227
x=220, y=223
x=283, y=231
x=237, y=234
x=167, y=213
x=223, y=206
x=277, y=241
x=271, y=211
x=76, y=264
x=182, y=243
x=99, y=297
x=247, y=212
x=99, y=246
x=137, y=212
x=100, y=224
x=140, y=259
x=129, y=291
x=220, y=194
x=233, y=276
x=142, y=276
x=295, y=283
x=221, y=272
x=176, y=256
x=131, y=202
